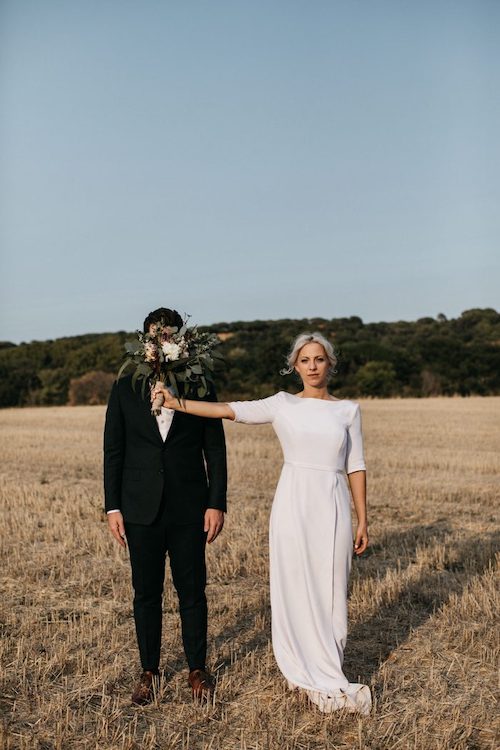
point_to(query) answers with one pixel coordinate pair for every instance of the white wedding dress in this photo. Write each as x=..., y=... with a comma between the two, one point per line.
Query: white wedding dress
x=310, y=540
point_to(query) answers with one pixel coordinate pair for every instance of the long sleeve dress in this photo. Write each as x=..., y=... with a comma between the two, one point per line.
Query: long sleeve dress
x=310, y=541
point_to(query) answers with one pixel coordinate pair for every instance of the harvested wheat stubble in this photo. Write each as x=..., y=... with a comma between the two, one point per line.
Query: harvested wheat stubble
x=422, y=605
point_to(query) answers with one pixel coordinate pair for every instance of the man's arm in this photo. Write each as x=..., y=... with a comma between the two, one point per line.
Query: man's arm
x=214, y=450
x=114, y=446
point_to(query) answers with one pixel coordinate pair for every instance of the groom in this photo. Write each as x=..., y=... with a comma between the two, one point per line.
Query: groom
x=165, y=492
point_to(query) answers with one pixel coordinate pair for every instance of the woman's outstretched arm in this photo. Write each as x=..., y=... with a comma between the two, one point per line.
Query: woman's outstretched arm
x=214, y=409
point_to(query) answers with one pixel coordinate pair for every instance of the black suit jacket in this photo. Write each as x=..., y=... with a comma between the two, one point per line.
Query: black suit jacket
x=139, y=466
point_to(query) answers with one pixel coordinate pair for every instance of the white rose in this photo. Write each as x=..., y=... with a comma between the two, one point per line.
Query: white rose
x=171, y=351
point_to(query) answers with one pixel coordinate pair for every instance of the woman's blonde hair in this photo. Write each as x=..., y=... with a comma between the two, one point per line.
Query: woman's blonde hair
x=309, y=338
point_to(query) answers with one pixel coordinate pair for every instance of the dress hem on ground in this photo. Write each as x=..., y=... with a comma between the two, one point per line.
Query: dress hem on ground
x=357, y=698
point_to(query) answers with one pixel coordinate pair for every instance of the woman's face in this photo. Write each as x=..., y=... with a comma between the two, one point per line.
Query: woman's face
x=312, y=365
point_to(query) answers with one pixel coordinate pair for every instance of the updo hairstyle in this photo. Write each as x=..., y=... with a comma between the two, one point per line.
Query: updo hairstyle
x=309, y=338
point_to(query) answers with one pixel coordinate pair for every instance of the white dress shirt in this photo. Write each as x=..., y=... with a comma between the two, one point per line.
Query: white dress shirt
x=164, y=421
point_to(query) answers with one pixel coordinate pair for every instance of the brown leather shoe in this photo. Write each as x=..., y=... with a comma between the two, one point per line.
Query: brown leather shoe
x=145, y=688
x=202, y=684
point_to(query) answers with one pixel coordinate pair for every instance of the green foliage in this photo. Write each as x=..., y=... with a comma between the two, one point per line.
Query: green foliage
x=40, y=372
x=432, y=356
x=376, y=379
x=92, y=388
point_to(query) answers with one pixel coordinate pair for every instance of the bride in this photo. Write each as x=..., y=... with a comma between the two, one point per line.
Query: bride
x=310, y=532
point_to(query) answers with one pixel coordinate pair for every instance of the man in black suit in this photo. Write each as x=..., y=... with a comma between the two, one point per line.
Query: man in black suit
x=165, y=484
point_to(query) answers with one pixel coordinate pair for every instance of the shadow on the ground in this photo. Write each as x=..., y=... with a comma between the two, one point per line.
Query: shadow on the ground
x=396, y=549
x=371, y=641
x=232, y=643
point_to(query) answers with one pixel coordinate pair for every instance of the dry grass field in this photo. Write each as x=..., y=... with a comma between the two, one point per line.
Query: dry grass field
x=422, y=606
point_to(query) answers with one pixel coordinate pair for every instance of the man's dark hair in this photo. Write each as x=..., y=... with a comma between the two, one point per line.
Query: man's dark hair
x=165, y=316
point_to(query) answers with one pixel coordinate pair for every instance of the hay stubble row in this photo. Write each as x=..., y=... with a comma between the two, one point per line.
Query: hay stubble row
x=422, y=604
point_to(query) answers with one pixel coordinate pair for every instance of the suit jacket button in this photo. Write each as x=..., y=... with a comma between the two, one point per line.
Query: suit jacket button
x=161, y=471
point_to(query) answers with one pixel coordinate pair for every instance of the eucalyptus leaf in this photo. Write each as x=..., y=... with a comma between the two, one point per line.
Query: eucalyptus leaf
x=175, y=388
x=123, y=368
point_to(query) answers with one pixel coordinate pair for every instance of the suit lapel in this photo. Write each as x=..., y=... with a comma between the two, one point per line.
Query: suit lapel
x=149, y=418
x=172, y=428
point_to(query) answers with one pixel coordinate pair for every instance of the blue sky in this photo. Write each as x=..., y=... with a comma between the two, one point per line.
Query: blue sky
x=242, y=160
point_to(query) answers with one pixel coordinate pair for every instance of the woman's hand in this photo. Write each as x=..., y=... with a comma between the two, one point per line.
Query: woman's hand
x=169, y=400
x=361, y=540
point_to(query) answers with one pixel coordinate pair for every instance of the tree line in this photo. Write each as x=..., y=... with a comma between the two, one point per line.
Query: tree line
x=427, y=357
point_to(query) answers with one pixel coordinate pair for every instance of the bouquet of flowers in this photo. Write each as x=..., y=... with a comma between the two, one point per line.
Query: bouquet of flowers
x=182, y=358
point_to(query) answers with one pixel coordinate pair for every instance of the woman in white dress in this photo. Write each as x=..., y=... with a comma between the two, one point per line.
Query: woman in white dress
x=310, y=532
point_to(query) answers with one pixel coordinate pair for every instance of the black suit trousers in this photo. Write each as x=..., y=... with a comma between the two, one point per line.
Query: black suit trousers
x=185, y=546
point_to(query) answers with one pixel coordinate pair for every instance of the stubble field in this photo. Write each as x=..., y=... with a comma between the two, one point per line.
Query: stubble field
x=422, y=605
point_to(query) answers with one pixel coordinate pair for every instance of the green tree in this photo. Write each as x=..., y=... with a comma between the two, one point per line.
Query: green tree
x=424, y=357
x=376, y=378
